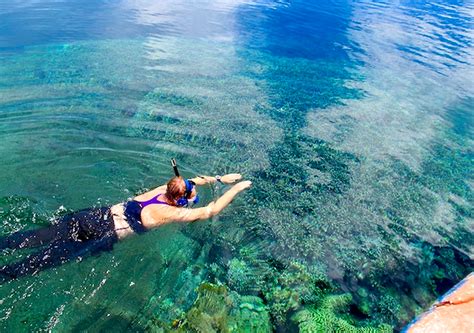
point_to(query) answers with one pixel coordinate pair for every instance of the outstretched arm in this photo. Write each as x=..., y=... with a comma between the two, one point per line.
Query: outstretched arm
x=226, y=179
x=214, y=208
x=200, y=180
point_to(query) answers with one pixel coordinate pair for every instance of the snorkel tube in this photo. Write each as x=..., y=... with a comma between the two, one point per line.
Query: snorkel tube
x=184, y=201
x=175, y=167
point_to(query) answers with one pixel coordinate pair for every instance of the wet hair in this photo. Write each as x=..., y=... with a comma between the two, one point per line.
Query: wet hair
x=175, y=188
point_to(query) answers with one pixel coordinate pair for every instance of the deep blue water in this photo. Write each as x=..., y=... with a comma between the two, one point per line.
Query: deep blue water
x=353, y=119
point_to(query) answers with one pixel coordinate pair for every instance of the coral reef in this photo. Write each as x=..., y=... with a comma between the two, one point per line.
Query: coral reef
x=210, y=311
x=240, y=276
x=292, y=287
x=218, y=310
x=251, y=316
x=330, y=315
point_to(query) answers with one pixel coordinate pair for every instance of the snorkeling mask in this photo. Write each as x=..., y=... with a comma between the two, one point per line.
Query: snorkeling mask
x=185, y=201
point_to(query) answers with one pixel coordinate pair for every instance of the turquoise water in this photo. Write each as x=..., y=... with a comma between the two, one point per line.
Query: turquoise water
x=354, y=120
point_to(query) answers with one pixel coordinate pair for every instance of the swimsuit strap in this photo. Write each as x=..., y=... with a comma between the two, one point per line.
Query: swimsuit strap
x=153, y=201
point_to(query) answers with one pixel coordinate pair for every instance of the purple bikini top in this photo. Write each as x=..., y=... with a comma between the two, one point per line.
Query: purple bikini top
x=153, y=201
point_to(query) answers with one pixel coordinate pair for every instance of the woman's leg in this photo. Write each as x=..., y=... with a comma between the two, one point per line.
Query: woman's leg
x=78, y=234
x=53, y=255
x=85, y=224
x=33, y=238
x=67, y=228
x=56, y=254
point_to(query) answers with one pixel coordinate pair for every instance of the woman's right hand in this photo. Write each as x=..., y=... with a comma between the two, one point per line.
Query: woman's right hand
x=242, y=185
x=231, y=178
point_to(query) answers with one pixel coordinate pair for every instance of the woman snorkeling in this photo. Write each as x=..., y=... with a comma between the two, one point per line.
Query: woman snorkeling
x=93, y=230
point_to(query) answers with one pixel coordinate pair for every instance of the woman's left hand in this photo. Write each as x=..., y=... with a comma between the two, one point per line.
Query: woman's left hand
x=231, y=178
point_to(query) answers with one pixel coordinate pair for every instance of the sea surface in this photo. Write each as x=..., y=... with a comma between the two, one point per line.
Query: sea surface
x=353, y=119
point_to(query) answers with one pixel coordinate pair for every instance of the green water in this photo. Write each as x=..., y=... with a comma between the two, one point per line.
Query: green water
x=360, y=214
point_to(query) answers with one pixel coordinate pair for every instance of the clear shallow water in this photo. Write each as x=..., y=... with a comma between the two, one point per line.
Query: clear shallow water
x=353, y=120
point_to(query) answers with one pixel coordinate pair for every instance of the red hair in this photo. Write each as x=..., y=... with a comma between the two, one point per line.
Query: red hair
x=176, y=188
